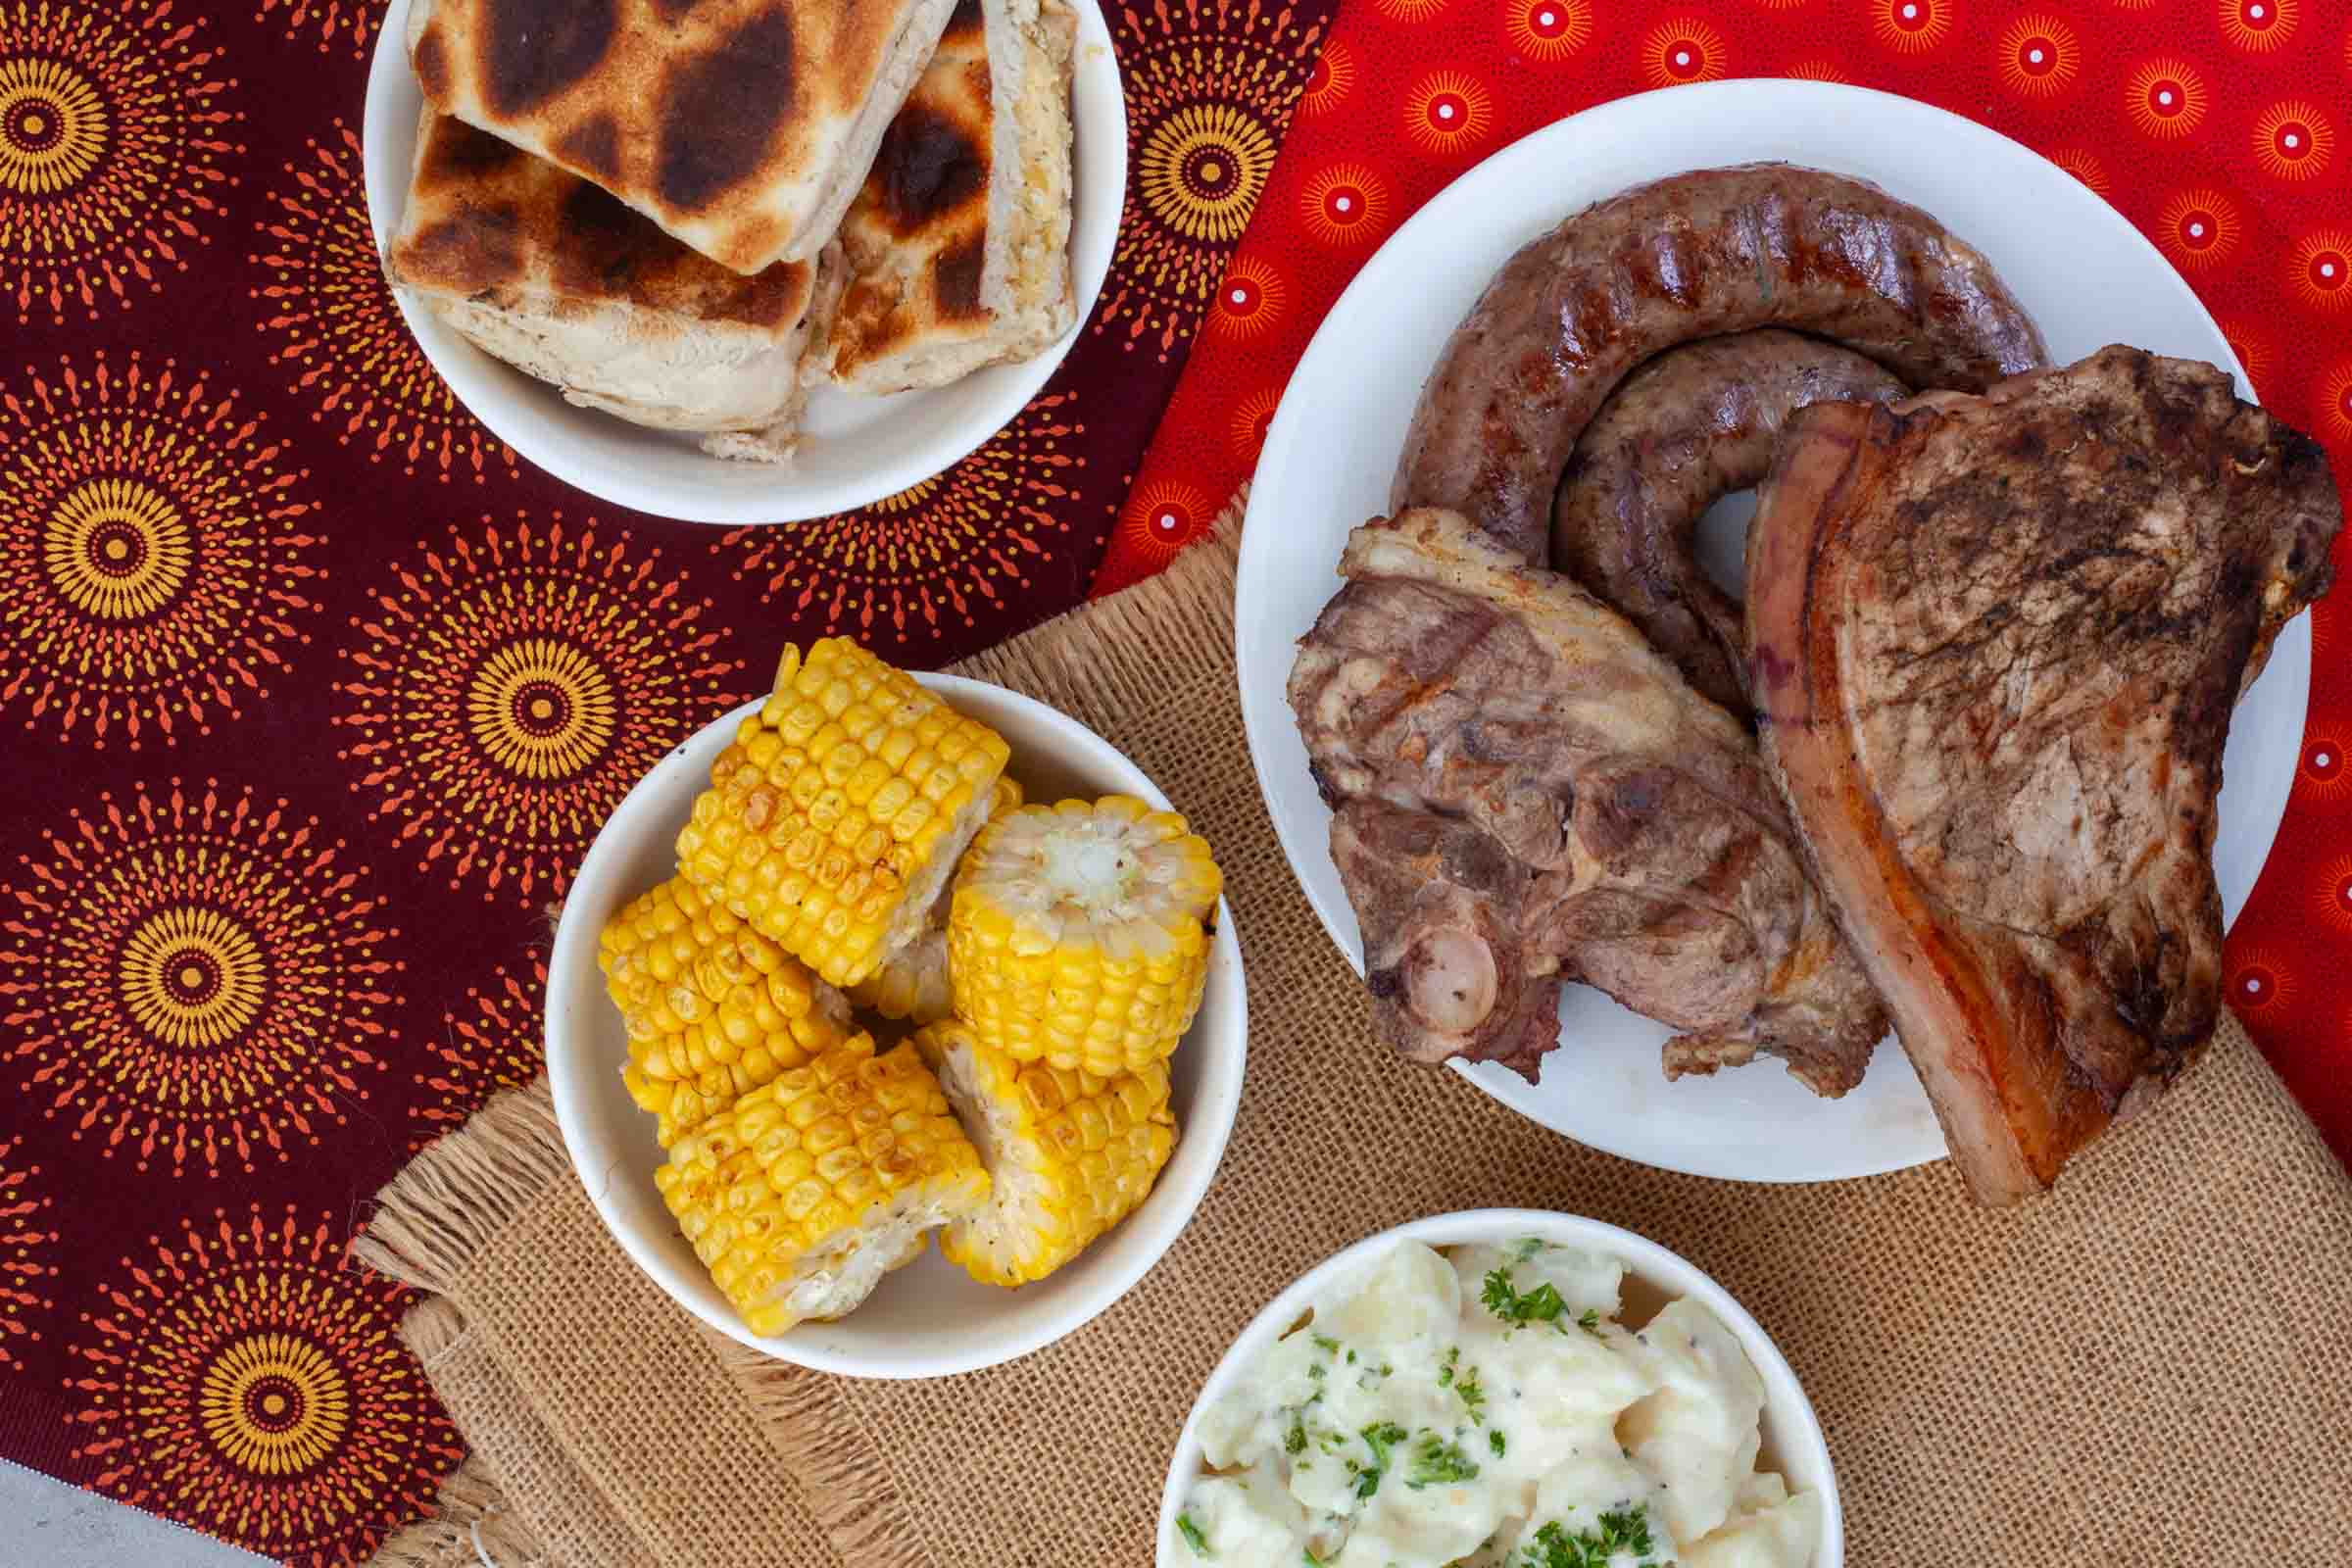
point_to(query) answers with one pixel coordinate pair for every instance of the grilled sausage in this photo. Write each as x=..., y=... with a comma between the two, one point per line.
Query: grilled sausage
x=1716, y=250
x=1678, y=434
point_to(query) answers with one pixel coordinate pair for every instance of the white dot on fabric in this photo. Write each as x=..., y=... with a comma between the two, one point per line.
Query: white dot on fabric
x=2254, y=11
x=1544, y=18
x=1910, y=13
x=2322, y=759
x=1168, y=519
x=1444, y=111
x=2292, y=140
x=1682, y=57
x=2196, y=231
x=2164, y=97
x=2033, y=57
x=1240, y=296
x=1343, y=203
x=2327, y=268
x=2252, y=985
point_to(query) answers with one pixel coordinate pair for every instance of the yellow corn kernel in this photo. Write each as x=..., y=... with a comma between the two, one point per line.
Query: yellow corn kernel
x=1068, y=1154
x=838, y=813
x=913, y=983
x=712, y=1007
x=1079, y=933
x=803, y=1193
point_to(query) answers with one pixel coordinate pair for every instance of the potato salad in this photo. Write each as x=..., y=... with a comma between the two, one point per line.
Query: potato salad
x=1483, y=1407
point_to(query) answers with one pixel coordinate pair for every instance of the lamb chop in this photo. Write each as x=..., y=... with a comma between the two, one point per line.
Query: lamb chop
x=1526, y=791
x=1994, y=642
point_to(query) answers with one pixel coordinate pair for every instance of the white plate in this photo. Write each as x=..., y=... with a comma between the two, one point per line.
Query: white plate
x=929, y=1318
x=2087, y=275
x=856, y=449
x=1792, y=1441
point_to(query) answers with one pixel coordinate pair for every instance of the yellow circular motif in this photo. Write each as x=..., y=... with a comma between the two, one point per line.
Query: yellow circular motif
x=116, y=549
x=274, y=1404
x=53, y=126
x=1203, y=169
x=193, y=977
x=541, y=707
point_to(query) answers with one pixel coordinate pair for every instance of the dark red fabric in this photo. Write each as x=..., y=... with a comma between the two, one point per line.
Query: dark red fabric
x=312, y=694
x=2218, y=126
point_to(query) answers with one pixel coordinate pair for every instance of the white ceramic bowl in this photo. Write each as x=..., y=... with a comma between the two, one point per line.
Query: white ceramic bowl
x=1792, y=1441
x=929, y=1318
x=856, y=449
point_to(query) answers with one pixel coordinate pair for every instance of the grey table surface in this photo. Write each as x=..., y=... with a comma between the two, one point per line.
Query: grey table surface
x=47, y=1524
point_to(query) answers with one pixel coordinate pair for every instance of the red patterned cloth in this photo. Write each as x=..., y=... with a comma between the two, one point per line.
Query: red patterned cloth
x=2218, y=126
x=314, y=693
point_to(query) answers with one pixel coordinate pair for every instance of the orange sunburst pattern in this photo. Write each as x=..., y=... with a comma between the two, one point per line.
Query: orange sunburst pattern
x=156, y=554
x=336, y=334
x=352, y=23
x=27, y=1244
x=2040, y=56
x=1210, y=88
x=1410, y=11
x=243, y=1378
x=1447, y=109
x=1912, y=26
x=1343, y=204
x=1688, y=50
x=2198, y=227
x=115, y=127
x=1548, y=30
x=2328, y=893
x=1816, y=70
x=488, y=1042
x=2259, y=25
x=2318, y=268
x=1331, y=80
x=195, y=978
x=2324, y=772
x=1250, y=417
x=2254, y=350
x=1160, y=517
x=927, y=559
x=1249, y=299
x=2293, y=140
x=501, y=694
x=2084, y=165
x=2258, y=983
x=2334, y=400
x=2165, y=98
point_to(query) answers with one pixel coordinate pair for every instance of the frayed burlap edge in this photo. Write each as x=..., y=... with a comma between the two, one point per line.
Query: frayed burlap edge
x=453, y=1200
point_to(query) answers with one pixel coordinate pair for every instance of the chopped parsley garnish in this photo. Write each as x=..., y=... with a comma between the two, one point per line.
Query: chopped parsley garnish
x=1494, y=1441
x=1438, y=1463
x=1474, y=1396
x=1327, y=1345
x=1193, y=1536
x=1515, y=1306
x=1445, y=1372
x=1591, y=1321
x=1625, y=1529
x=1527, y=1248
x=1294, y=1441
x=1314, y=1369
x=1378, y=1436
x=1352, y=1359
x=1313, y=1562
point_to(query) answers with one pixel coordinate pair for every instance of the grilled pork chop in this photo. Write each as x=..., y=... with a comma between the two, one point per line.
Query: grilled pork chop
x=1526, y=792
x=1994, y=643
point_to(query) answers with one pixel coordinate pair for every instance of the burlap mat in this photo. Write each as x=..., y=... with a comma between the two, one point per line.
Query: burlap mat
x=2151, y=1367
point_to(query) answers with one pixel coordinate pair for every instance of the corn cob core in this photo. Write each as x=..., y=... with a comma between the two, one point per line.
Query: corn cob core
x=1079, y=933
x=840, y=811
x=1068, y=1154
x=712, y=1007
x=913, y=981
x=801, y=1196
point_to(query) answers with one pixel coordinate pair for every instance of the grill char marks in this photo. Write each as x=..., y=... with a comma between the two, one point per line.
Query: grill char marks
x=719, y=111
x=533, y=49
x=1997, y=642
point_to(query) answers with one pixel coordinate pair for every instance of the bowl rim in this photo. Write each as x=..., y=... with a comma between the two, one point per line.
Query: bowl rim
x=1171, y=1205
x=477, y=382
x=1784, y=1397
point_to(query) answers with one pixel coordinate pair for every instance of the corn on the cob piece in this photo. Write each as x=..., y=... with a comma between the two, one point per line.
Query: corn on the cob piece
x=802, y=1195
x=840, y=811
x=913, y=981
x=1079, y=933
x=713, y=1009
x=1068, y=1154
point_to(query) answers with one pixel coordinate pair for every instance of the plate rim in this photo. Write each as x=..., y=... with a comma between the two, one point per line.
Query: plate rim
x=474, y=378
x=2290, y=655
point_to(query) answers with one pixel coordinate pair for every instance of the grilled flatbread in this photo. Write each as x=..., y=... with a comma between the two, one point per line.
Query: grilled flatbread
x=744, y=128
x=551, y=275
x=959, y=243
